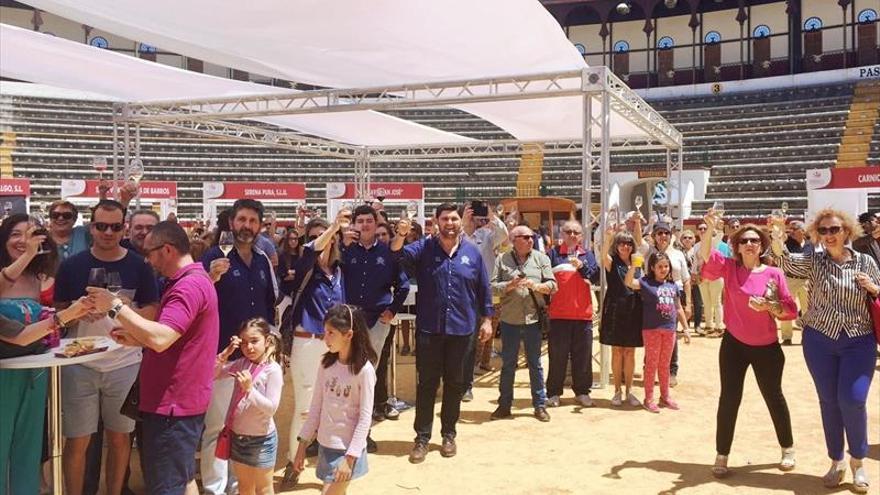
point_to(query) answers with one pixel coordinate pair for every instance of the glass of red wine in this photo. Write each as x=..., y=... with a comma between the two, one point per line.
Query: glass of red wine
x=98, y=278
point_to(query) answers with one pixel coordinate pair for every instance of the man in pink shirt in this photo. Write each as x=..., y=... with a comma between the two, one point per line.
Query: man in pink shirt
x=177, y=371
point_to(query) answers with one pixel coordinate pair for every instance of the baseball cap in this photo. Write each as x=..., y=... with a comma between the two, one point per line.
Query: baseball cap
x=662, y=226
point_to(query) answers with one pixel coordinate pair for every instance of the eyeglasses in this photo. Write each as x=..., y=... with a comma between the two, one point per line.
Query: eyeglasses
x=572, y=232
x=749, y=240
x=62, y=215
x=702, y=229
x=150, y=251
x=833, y=230
x=102, y=227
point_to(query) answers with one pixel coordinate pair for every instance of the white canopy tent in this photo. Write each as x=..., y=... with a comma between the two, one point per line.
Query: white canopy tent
x=504, y=60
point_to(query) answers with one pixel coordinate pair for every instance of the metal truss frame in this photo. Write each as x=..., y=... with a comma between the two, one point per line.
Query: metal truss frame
x=232, y=118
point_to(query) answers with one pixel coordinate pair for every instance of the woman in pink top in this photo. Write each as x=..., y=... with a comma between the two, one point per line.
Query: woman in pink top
x=754, y=294
x=342, y=404
x=255, y=398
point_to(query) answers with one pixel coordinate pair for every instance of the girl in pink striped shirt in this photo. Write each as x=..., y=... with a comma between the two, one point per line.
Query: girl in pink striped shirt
x=342, y=405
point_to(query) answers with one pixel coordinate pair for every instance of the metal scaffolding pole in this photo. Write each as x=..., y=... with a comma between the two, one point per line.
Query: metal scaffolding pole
x=137, y=155
x=115, y=158
x=605, y=172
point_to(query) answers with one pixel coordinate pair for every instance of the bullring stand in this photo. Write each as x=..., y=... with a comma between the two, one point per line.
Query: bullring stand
x=602, y=95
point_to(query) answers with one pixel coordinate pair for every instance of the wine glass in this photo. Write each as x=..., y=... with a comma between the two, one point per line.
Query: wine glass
x=412, y=209
x=99, y=163
x=98, y=278
x=136, y=171
x=7, y=209
x=784, y=207
x=638, y=202
x=114, y=283
x=227, y=240
x=718, y=206
x=39, y=222
x=612, y=217
x=499, y=210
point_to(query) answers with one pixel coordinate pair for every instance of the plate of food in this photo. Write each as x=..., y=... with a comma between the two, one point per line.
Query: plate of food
x=82, y=346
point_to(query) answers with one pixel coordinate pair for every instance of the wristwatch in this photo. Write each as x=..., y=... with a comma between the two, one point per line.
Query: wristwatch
x=115, y=310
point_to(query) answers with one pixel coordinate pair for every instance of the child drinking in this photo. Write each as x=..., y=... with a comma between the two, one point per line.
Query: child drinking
x=342, y=405
x=661, y=306
x=257, y=392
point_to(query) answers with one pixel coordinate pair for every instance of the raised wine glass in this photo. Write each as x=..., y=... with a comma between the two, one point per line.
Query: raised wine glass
x=136, y=171
x=114, y=283
x=638, y=202
x=784, y=207
x=718, y=206
x=99, y=163
x=227, y=240
x=98, y=277
x=39, y=222
x=412, y=209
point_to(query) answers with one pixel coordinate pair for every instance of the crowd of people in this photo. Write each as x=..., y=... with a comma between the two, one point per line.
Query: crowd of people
x=210, y=320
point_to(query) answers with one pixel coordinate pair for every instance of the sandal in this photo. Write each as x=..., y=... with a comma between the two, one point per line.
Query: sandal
x=860, y=476
x=787, y=463
x=834, y=477
x=720, y=470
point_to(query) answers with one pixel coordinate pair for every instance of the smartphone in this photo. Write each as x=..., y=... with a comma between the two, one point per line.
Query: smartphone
x=520, y=275
x=481, y=209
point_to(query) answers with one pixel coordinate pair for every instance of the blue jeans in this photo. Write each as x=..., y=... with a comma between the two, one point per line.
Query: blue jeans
x=530, y=335
x=842, y=370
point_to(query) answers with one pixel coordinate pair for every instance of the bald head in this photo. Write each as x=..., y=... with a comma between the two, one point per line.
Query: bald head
x=522, y=238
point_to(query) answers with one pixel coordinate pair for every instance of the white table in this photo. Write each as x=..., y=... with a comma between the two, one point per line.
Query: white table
x=49, y=360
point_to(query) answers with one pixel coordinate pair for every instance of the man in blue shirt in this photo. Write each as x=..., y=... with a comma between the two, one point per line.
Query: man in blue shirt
x=246, y=288
x=375, y=283
x=453, y=294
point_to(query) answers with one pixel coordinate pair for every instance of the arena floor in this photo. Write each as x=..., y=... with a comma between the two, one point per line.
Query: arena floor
x=603, y=450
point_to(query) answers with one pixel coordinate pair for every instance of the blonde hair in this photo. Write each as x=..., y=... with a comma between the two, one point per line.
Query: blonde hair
x=853, y=229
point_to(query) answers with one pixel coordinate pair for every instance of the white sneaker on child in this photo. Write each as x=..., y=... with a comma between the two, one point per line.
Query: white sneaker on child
x=617, y=400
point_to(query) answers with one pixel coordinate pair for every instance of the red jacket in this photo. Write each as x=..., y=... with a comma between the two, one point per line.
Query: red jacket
x=572, y=299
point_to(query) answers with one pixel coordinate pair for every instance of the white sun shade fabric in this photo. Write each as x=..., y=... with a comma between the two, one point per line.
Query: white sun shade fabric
x=357, y=43
x=39, y=58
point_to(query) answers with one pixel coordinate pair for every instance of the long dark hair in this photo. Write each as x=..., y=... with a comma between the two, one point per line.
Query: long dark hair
x=290, y=256
x=345, y=318
x=43, y=264
x=222, y=225
x=655, y=258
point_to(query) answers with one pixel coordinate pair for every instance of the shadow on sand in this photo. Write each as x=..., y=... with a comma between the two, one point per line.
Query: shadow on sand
x=692, y=475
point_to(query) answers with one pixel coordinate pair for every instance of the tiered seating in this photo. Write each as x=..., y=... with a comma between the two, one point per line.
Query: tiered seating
x=757, y=146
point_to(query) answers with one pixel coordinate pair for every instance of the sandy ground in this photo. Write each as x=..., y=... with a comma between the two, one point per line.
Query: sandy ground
x=603, y=449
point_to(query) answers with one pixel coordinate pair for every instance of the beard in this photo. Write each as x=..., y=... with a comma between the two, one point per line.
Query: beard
x=244, y=235
x=449, y=233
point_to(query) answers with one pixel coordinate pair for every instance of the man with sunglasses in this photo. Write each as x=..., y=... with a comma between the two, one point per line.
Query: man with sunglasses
x=870, y=242
x=798, y=243
x=94, y=392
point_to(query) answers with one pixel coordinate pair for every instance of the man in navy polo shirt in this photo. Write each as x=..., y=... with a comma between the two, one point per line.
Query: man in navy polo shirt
x=372, y=275
x=453, y=294
x=246, y=288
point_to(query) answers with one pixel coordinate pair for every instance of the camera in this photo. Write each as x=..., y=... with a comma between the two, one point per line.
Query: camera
x=480, y=208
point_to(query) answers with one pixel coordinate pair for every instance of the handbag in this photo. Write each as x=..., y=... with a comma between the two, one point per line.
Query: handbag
x=543, y=317
x=130, y=406
x=224, y=440
x=285, y=323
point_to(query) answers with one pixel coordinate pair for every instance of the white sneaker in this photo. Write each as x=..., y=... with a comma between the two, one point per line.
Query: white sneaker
x=585, y=400
x=788, y=460
x=617, y=400
x=633, y=401
x=552, y=401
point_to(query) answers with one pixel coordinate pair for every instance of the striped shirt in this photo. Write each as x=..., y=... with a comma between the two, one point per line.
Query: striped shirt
x=837, y=302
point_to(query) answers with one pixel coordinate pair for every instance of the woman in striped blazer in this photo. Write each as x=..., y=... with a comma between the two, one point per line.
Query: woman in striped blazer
x=838, y=339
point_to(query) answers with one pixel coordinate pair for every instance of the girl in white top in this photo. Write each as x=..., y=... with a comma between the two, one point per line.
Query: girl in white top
x=342, y=404
x=255, y=398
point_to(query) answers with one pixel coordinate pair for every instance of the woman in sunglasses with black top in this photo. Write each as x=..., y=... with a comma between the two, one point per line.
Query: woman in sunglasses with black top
x=69, y=239
x=838, y=339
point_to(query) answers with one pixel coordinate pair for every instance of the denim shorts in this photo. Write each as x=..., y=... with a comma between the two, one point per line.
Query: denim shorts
x=255, y=451
x=168, y=454
x=329, y=460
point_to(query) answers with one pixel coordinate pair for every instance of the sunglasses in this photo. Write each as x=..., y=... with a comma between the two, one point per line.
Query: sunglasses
x=572, y=232
x=311, y=238
x=702, y=229
x=629, y=244
x=523, y=237
x=102, y=227
x=829, y=230
x=63, y=215
x=749, y=240
x=662, y=232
